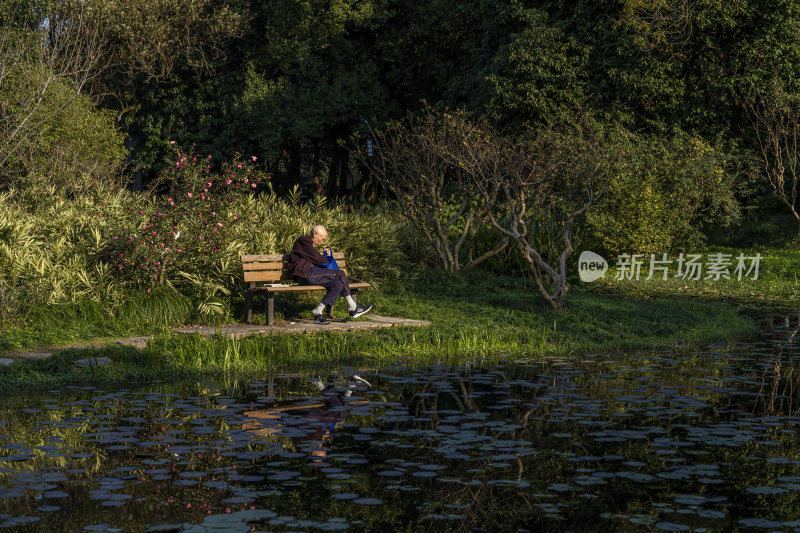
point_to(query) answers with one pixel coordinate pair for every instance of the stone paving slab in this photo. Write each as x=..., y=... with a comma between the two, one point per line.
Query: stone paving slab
x=136, y=342
x=302, y=326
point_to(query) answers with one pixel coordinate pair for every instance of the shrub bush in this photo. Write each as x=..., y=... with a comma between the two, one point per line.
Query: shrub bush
x=51, y=133
x=114, y=246
x=663, y=192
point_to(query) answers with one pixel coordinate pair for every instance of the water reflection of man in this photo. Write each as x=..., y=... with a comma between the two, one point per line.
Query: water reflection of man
x=315, y=428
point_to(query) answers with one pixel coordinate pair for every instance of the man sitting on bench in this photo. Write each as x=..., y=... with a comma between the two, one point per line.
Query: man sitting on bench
x=304, y=266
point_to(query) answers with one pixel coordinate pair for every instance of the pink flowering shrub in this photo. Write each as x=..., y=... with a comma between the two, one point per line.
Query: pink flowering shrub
x=184, y=230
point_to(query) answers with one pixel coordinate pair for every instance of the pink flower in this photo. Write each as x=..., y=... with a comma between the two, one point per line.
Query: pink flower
x=172, y=142
x=239, y=165
x=189, y=194
x=253, y=185
x=254, y=158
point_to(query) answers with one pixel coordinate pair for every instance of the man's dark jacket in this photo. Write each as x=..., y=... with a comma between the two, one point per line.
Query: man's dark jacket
x=302, y=257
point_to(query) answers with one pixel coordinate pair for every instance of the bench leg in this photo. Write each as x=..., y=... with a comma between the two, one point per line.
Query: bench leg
x=248, y=306
x=270, y=308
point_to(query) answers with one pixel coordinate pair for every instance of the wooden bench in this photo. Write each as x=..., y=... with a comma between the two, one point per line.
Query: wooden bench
x=262, y=273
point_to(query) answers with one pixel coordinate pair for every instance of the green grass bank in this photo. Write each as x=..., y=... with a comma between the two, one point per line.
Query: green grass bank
x=475, y=316
x=778, y=279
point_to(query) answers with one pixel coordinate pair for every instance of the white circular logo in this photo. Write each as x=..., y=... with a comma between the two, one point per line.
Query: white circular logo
x=591, y=266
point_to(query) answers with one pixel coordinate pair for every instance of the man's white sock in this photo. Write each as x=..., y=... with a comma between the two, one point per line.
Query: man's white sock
x=351, y=304
x=318, y=309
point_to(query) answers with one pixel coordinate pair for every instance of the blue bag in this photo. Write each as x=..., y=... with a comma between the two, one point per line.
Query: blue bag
x=331, y=264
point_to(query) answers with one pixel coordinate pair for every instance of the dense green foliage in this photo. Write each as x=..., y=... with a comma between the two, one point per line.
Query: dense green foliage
x=663, y=192
x=291, y=82
x=302, y=77
x=109, y=247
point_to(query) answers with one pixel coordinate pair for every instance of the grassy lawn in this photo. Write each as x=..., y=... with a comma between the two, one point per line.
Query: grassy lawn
x=474, y=315
x=90, y=322
x=777, y=280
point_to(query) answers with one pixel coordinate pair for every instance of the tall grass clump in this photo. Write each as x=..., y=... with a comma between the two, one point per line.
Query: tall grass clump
x=150, y=260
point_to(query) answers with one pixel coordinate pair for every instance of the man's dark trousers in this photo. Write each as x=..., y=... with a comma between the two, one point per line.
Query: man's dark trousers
x=332, y=279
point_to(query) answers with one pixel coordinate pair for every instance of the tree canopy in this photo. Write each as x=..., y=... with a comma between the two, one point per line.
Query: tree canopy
x=292, y=80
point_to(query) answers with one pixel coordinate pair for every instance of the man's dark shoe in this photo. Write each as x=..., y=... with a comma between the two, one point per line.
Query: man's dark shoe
x=320, y=319
x=360, y=310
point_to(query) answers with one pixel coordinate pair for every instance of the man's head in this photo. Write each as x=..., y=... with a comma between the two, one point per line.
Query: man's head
x=318, y=235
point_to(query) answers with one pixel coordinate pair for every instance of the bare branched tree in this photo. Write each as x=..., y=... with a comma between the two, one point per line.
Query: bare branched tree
x=543, y=187
x=63, y=54
x=775, y=119
x=426, y=170
x=450, y=173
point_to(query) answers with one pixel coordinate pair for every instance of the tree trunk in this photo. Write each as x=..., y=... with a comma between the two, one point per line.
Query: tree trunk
x=344, y=173
x=295, y=161
x=315, y=168
x=333, y=174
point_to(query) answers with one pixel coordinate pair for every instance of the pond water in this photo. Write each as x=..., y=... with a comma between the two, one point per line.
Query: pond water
x=652, y=441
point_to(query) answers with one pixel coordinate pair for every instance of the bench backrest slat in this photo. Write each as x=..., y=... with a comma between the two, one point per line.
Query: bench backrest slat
x=279, y=257
x=263, y=266
x=266, y=275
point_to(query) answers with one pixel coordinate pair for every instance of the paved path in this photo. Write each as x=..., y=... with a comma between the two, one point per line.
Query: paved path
x=245, y=330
